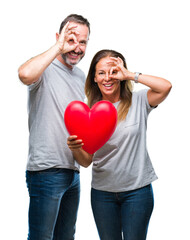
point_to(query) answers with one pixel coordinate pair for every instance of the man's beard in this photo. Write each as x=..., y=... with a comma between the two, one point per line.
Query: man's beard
x=66, y=60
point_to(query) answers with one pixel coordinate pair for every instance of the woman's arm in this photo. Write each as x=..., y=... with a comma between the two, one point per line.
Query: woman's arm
x=159, y=87
x=81, y=156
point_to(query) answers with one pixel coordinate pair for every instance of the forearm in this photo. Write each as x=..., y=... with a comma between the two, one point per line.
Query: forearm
x=159, y=87
x=82, y=157
x=157, y=84
x=31, y=70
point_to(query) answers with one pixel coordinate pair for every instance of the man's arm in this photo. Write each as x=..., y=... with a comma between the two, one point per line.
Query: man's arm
x=31, y=70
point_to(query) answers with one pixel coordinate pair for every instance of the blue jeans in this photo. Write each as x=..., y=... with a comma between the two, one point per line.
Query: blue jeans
x=123, y=215
x=54, y=199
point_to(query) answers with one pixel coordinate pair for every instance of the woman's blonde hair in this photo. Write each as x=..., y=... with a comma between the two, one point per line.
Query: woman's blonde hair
x=92, y=90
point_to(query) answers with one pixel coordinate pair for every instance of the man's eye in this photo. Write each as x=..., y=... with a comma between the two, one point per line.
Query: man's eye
x=83, y=43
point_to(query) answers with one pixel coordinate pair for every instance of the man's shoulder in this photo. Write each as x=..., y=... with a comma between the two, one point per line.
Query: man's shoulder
x=78, y=71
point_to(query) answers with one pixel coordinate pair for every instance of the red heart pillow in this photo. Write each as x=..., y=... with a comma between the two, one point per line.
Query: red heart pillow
x=94, y=126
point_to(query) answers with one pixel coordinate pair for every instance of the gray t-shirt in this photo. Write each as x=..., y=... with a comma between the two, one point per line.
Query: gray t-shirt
x=123, y=163
x=47, y=101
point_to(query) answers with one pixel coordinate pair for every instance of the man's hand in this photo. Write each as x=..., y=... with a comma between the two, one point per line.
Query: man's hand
x=30, y=71
x=67, y=39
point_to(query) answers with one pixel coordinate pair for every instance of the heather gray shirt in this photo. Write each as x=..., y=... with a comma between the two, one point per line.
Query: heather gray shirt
x=123, y=163
x=47, y=100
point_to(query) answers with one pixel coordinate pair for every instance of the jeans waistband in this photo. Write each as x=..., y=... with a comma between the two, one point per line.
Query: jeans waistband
x=66, y=170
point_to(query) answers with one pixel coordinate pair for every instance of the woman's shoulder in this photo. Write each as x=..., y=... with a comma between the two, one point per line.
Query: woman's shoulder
x=141, y=92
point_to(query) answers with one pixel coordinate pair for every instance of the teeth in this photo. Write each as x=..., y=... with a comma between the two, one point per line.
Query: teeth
x=74, y=54
x=108, y=85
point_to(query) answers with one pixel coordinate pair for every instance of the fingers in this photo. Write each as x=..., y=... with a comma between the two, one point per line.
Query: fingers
x=73, y=31
x=74, y=143
x=71, y=39
x=72, y=137
x=68, y=37
x=114, y=70
x=118, y=70
x=64, y=28
x=69, y=29
x=117, y=61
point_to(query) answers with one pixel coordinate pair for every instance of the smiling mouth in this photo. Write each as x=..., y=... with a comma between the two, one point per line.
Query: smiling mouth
x=108, y=86
x=74, y=54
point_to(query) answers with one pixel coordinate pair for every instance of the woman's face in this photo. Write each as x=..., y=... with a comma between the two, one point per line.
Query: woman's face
x=109, y=87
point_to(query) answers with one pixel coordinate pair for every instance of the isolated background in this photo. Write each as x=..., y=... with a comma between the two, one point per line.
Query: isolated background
x=154, y=38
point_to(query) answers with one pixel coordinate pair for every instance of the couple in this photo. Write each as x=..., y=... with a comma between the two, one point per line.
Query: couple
x=121, y=195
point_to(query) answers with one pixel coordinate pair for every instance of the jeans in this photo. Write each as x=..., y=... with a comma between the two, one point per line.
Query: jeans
x=54, y=199
x=123, y=215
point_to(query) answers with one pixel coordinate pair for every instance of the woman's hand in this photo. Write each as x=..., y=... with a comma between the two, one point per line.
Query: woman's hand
x=81, y=156
x=159, y=87
x=118, y=71
x=74, y=143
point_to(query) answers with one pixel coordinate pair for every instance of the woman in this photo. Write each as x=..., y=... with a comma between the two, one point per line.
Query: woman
x=122, y=173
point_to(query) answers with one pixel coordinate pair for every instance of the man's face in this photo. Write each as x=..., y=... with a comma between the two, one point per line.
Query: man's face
x=73, y=57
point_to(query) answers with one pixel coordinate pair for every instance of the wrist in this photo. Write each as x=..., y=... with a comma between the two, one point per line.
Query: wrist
x=136, y=78
x=57, y=49
x=131, y=76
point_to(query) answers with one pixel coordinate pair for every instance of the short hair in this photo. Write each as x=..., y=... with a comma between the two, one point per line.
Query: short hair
x=75, y=18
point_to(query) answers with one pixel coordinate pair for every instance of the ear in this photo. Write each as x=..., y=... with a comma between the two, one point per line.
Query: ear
x=57, y=36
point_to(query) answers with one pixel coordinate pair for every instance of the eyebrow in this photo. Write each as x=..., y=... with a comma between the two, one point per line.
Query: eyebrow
x=83, y=42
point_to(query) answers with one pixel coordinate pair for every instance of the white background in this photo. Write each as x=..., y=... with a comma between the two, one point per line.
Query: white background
x=154, y=38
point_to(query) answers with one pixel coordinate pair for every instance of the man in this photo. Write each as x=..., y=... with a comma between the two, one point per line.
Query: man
x=52, y=174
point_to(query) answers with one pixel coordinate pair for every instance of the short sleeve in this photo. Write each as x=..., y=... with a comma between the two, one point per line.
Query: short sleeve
x=35, y=85
x=144, y=100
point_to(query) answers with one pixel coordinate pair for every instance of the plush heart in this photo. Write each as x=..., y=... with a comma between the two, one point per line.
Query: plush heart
x=94, y=126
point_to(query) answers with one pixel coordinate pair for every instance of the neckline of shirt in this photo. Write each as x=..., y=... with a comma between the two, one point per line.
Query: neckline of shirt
x=57, y=62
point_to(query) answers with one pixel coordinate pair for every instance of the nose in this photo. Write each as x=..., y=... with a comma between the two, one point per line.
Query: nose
x=77, y=49
x=107, y=77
